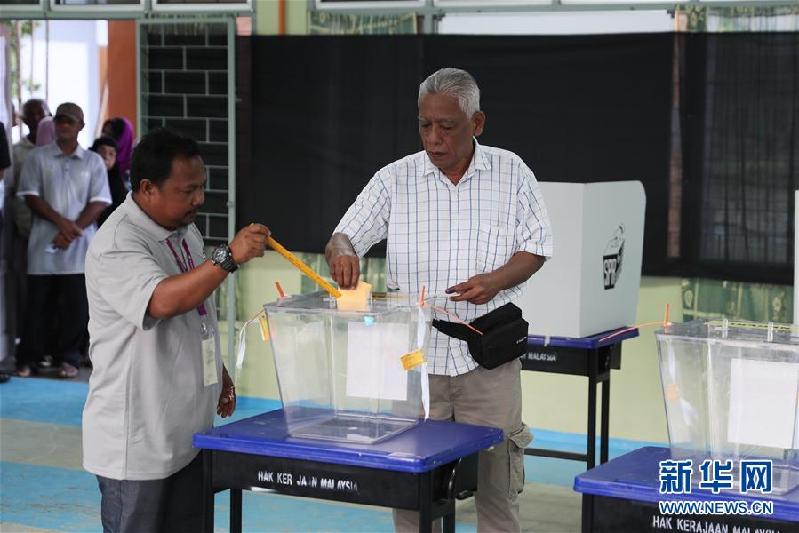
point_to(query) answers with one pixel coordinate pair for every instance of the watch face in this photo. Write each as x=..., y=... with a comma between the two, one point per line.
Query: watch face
x=220, y=254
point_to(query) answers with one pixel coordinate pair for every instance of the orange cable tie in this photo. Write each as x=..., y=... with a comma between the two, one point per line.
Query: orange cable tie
x=457, y=318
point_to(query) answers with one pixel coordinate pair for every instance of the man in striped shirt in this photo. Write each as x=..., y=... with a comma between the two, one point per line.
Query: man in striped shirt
x=466, y=221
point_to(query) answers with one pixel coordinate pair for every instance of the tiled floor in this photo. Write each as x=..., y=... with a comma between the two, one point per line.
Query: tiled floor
x=43, y=487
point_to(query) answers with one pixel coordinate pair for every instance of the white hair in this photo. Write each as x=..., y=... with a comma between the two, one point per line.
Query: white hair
x=453, y=82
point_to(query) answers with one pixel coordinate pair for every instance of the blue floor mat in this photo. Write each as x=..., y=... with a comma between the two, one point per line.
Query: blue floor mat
x=43, y=400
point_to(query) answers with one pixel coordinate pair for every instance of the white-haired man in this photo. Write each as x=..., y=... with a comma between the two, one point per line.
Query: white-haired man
x=467, y=220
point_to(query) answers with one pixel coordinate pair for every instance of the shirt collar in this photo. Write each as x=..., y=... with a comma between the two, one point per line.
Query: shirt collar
x=480, y=161
x=143, y=220
x=56, y=151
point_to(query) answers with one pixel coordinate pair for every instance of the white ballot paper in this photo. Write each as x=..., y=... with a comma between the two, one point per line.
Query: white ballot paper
x=374, y=368
x=763, y=403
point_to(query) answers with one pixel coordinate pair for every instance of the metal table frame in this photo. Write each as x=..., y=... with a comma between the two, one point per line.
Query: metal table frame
x=256, y=453
x=593, y=357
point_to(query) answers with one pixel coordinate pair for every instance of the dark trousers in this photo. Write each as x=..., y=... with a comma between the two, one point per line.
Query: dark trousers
x=173, y=504
x=56, y=320
x=15, y=254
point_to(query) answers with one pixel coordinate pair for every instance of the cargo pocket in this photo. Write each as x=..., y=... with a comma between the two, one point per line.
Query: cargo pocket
x=517, y=442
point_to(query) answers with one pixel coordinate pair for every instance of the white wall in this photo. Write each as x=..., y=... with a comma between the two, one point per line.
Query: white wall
x=571, y=23
x=72, y=60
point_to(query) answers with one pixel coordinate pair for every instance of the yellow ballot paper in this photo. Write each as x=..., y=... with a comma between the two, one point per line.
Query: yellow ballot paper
x=356, y=299
x=264, y=327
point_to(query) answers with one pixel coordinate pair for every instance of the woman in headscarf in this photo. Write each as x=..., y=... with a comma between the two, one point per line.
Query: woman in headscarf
x=106, y=148
x=45, y=131
x=121, y=131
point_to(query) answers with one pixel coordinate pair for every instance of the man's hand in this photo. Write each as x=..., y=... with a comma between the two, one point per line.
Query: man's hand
x=478, y=289
x=69, y=228
x=249, y=242
x=482, y=288
x=345, y=270
x=344, y=264
x=61, y=242
x=227, y=398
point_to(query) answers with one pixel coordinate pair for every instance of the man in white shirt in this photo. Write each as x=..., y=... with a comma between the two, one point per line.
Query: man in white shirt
x=33, y=111
x=17, y=227
x=66, y=188
x=469, y=221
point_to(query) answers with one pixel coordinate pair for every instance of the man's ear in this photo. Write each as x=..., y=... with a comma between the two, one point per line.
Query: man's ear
x=146, y=188
x=478, y=121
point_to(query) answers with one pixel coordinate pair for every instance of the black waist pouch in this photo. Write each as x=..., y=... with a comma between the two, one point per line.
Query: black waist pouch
x=504, y=335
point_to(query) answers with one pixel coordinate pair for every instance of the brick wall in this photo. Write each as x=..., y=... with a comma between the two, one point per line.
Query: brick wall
x=184, y=87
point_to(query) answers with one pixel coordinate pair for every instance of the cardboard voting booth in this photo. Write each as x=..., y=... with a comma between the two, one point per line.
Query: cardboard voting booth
x=591, y=283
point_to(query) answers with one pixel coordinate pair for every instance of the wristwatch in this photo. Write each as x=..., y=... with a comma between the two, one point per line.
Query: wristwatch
x=223, y=258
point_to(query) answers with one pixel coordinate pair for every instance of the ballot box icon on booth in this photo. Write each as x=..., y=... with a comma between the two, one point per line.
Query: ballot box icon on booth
x=349, y=375
x=732, y=393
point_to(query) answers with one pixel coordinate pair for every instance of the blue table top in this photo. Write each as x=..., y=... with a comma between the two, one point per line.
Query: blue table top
x=635, y=476
x=606, y=338
x=419, y=449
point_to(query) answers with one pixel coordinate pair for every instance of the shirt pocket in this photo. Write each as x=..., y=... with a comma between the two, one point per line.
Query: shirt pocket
x=494, y=247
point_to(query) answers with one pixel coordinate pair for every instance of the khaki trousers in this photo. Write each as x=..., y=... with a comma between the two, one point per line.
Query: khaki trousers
x=485, y=398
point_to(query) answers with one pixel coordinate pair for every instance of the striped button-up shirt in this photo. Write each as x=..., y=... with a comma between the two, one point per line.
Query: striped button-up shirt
x=440, y=234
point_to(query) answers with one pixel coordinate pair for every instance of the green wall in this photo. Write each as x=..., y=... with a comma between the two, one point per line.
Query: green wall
x=267, y=13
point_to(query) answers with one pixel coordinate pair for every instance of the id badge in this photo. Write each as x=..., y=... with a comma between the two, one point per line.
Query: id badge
x=210, y=374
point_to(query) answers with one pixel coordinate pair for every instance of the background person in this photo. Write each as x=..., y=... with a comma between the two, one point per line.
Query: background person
x=106, y=148
x=66, y=188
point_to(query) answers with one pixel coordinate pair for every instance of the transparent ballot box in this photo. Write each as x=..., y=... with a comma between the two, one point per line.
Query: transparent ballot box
x=349, y=375
x=732, y=391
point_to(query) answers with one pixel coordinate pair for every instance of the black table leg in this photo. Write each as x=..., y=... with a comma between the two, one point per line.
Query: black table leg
x=235, y=510
x=449, y=522
x=588, y=514
x=605, y=430
x=591, y=430
x=208, y=492
x=426, y=502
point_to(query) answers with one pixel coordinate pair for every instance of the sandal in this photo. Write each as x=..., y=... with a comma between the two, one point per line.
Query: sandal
x=67, y=371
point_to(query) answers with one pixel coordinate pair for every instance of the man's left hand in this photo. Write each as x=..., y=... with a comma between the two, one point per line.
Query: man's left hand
x=478, y=290
x=227, y=398
x=61, y=241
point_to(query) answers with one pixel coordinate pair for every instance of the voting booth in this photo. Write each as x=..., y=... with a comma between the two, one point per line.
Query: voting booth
x=352, y=375
x=731, y=391
x=591, y=283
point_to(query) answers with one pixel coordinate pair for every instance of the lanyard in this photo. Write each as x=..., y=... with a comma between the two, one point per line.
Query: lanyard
x=185, y=268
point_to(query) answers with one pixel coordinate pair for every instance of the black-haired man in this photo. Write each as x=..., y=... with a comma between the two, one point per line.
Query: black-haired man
x=157, y=373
